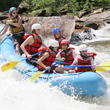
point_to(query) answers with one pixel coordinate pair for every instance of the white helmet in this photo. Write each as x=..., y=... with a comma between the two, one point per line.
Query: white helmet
x=36, y=26
x=82, y=47
x=53, y=43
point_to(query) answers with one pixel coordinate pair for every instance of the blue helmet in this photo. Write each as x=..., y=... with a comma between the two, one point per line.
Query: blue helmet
x=11, y=9
x=55, y=30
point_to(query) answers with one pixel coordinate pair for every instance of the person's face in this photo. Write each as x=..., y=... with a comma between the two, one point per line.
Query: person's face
x=14, y=13
x=57, y=35
x=55, y=48
x=84, y=53
x=64, y=46
x=37, y=31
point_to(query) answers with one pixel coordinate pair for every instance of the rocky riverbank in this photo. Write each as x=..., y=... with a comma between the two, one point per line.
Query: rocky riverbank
x=70, y=26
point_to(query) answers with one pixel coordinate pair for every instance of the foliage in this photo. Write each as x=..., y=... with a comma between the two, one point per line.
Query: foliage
x=56, y=6
x=71, y=6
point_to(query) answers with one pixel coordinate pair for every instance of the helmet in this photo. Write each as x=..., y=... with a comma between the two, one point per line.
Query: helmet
x=82, y=47
x=53, y=43
x=36, y=26
x=55, y=30
x=65, y=42
x=12, y=9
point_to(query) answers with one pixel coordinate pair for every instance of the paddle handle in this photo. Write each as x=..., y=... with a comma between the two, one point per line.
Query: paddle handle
x=32, y=56
x=54, y=64
x=65, y=63
x=80, y=66
x=3, y=28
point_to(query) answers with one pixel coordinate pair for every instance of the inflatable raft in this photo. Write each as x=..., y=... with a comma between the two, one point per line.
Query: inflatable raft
x=81, y=83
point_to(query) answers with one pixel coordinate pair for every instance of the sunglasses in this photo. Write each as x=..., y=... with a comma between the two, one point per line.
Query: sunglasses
x=14, y=12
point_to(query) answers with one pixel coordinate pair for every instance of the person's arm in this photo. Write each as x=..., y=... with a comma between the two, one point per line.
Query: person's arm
x=28, y=41
x=58, y=57
x=93, y=65
x=19, y=22
x=4, y=31
x=74, y=54
x=44, y=56
x=17, y=48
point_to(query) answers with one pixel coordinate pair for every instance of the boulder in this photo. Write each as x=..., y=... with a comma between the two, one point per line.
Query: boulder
x=104, y=16
x=65, y=23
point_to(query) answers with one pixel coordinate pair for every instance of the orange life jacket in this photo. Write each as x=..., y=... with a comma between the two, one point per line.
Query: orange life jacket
x=32, y=49
x=68, y=55
x=48, y=61
x=86, y=62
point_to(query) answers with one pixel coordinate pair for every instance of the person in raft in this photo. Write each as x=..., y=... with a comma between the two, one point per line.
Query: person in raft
x=15, y=24
x=84, y=58
x=57, y=35
x=48, y=56
x=68, y=53
x=32, y=43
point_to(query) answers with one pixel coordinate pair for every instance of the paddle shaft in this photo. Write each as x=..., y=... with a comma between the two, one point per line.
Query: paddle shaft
x=88, y=66
x=32, y=56
x=3, y=28
x=54, y=64
x=80, y=66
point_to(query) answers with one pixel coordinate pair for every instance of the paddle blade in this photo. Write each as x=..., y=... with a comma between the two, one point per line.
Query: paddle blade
x=35, y=76
x=105, y=65
x=101, y=69
x=10, y=65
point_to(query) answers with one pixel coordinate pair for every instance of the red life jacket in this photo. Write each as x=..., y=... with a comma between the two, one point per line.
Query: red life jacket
x=48, y=61
x=32, y=49
x=68, y=55
x=59, y=40
x=86, y=62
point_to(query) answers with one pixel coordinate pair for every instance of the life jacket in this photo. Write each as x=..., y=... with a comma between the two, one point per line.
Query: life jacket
x=15, y=29
x=92, y=54
x=32, y=49
x=48, y=61
x=68, y=55
x=59, y=40
x=85, y=62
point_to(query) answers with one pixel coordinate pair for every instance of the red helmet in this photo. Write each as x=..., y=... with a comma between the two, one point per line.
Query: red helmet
x=65, y=42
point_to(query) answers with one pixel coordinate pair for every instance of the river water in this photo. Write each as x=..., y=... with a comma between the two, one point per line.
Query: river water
x=19, y=94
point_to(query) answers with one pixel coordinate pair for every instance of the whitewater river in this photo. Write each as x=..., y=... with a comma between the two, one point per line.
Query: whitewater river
x=19, y=94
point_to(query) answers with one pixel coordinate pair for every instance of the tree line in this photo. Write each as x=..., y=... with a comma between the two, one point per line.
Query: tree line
x=57, y=7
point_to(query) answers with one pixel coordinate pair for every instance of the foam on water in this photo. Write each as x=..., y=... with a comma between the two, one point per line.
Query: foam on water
x=23, y=94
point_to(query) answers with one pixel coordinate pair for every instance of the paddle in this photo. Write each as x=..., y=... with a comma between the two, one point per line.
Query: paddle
x=98, y=67
x=105, y=65
x=35, y=76
x=3, y=28
x=12, y=64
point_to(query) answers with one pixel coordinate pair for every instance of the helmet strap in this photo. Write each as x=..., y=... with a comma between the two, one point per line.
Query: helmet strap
x=51, y=48
x=33, y=31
